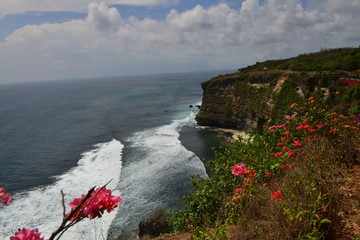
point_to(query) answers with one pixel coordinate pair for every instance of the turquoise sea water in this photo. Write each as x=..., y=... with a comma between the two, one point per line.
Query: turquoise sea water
x=137, y=131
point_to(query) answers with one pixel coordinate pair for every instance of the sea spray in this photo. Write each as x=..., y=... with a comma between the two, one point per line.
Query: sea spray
x=156, y=176
x=41, y=207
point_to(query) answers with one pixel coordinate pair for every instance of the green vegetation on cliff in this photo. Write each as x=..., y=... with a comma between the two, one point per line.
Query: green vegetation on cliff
x=347, y=59
x=283, y=183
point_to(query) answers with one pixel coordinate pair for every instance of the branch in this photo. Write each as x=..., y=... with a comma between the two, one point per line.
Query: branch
x=63, y=226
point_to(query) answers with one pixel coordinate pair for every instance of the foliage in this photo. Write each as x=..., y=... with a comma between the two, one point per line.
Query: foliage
x=279, y=184
x=326, y=60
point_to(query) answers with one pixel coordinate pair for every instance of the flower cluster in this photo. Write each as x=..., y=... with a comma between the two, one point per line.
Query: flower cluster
x=296, y=134
x=27, y=234
x=6, y=198
x=239, y=170
x=277, y=127
x=250, y=175
x=276, y=195
x=99, y=201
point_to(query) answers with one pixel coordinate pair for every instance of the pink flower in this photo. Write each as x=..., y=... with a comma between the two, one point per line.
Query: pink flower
x=287, y=132
x=239, y=190
x=6, y=198
x=239, y=170
x=277, y=127
x=312, y=130
x=279, y=144
x=283, y=139
x=265, y=185
x=276, y=195
x=27, y=234
x=100, y=200
x=319, y=126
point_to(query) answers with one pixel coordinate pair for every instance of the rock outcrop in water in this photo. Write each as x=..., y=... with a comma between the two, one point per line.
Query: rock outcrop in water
x=155, y=225
x=261, y=94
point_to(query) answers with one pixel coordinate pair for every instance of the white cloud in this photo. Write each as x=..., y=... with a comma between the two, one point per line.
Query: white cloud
x=103, y=18
x=8, y=7
x=198, y=39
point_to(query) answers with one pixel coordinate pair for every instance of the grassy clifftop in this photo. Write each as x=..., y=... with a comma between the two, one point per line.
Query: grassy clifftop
x=346, y=59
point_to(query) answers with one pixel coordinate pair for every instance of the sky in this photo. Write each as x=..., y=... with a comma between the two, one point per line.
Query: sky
x=69, y=39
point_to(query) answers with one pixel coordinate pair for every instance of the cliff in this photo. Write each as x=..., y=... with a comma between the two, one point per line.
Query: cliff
x=257, y=95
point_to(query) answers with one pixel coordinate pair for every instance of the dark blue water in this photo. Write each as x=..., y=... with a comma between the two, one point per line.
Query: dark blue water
x=46, y=127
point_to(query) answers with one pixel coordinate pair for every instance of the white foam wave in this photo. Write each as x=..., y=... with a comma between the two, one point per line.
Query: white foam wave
x=41, y=208
x=157, y=176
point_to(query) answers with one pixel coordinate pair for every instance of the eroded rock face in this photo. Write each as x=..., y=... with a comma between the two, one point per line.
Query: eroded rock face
x=153, y=228
x=225, y=106
x=155, y=225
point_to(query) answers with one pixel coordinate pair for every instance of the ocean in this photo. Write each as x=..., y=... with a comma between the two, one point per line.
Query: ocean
x=138, y=132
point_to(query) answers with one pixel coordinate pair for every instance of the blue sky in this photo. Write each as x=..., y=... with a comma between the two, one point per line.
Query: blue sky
x=42, y=40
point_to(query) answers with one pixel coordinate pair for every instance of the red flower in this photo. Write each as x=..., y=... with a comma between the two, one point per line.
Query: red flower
x=287, y=132
x=239, y=190
x=319, y=126
x=283, y=139
x=286, y=149
x=278, y=154
x=301, y=127
x=297, y=144
x=287, y=166
x=276, y=195
x=291, y=154
x=279, y=144
x=265, y=185
x=251, y=173
x=267, y=174
x=235, y=197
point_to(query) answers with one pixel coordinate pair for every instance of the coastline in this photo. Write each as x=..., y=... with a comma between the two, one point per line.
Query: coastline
x=234, y=134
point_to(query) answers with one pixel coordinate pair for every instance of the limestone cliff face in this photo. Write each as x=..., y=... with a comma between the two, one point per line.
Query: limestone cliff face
x=249, y=101
x=225, y=105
